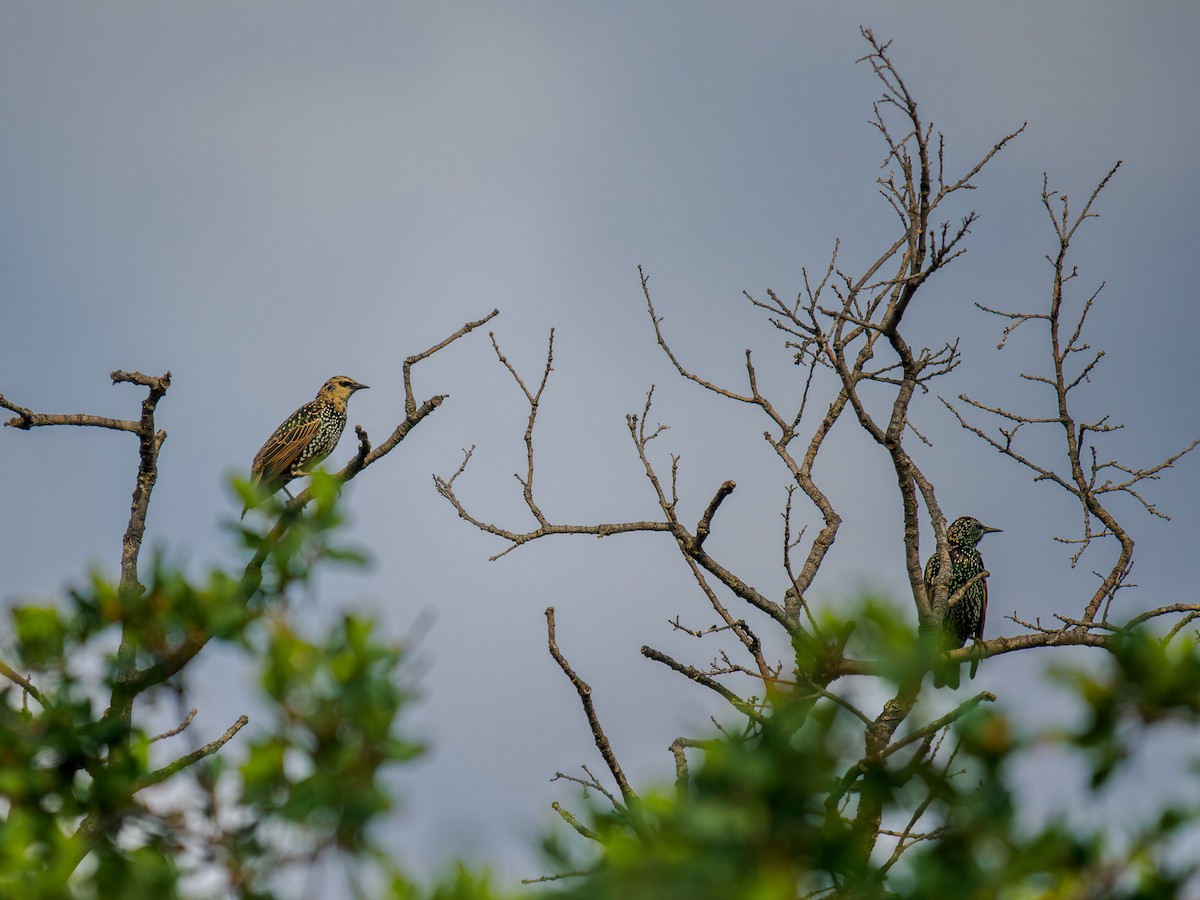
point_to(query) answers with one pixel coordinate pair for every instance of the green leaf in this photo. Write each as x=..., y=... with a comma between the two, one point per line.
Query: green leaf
x=41, y=635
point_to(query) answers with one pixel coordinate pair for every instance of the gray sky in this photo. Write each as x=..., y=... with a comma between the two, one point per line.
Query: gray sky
x=258, y=197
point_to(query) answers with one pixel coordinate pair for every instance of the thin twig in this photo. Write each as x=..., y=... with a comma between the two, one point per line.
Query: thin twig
x=410, y=403
x=585, y=697
x=177, y=729
x=17, y=678
x=160, y=775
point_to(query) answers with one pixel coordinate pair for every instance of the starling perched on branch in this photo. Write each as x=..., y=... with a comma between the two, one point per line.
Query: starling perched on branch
x=304, y=439
x=966, y=592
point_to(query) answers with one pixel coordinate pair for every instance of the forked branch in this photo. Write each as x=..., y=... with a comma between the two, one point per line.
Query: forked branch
x=1079, y=470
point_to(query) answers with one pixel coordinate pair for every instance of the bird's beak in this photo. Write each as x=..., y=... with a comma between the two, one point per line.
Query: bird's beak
x=989, y=530
x=359, y=387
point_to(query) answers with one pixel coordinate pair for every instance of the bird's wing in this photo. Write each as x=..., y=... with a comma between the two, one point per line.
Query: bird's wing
x=277, y=456
x=982, y=613
x=979, y=629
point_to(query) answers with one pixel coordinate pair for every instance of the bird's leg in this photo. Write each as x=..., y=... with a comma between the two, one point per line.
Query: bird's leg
x=289, y=493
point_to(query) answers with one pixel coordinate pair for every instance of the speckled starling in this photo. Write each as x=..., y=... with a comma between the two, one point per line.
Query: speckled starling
x=305, y=438
x=966, y=614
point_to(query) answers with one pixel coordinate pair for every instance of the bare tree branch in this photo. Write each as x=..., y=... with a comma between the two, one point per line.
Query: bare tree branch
x=850, y=332
x=589, y=709
x=177, y=729
x=410, y=403
x=574, y=822
x=694, y=674
x=16, y=678
x=160, y=775
x=1082, y=475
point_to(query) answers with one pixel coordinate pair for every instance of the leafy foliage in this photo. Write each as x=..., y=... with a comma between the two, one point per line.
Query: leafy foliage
x=77, y=780
x=765, y=814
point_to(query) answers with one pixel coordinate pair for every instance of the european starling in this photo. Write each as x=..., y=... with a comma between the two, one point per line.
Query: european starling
x=304, y=439
x=965, y=615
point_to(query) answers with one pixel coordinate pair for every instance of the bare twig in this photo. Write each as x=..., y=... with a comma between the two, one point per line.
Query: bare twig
x=542, y=879
x=678, y=746
x=589, y=709
x=1081, y=476
x=705, y=524
x=17, y=678
x=574, y=822
x=694, y=674
x=410, y=403
x=177, y=729
x=160, y=775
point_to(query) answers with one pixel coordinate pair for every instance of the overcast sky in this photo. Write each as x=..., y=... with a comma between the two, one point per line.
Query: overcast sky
x=259, y=196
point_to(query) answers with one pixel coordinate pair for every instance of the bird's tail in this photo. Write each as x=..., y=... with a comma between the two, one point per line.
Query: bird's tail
x=948, y=675
x=933, y=643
